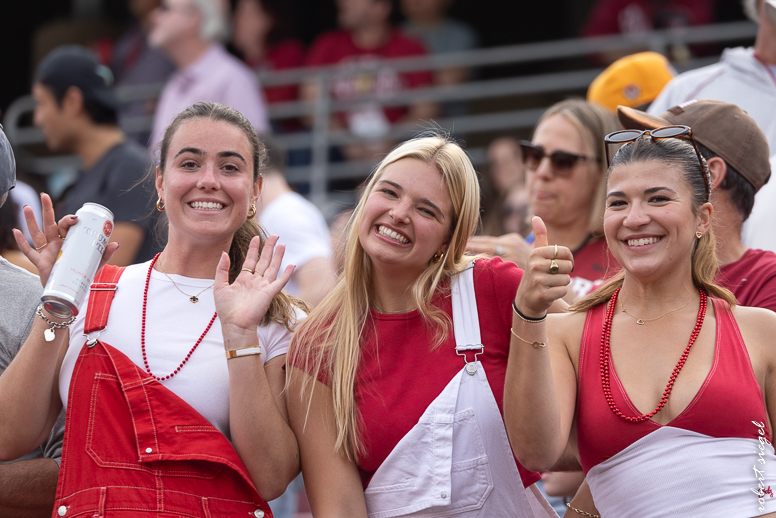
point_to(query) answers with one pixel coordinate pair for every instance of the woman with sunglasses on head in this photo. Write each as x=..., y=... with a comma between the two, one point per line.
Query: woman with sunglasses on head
x=395, y=381
x=662, y=382
x=565, y=173
x=174, y=367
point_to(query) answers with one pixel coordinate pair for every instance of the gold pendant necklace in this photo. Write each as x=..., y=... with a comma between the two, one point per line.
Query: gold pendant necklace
x=193, y=298
x=642, y=321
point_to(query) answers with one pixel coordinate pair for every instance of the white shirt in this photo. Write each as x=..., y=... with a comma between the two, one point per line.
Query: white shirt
x=758, y=230
x=173, y=325
x=301, y=227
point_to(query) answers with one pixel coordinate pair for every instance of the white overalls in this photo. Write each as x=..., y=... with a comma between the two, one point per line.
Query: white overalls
x=457, y=459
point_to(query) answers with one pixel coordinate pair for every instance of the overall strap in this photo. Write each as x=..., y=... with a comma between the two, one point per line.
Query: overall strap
x=101, y=294
x=466, y=320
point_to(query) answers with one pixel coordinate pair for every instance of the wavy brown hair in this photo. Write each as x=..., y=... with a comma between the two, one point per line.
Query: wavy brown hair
x=677, y=153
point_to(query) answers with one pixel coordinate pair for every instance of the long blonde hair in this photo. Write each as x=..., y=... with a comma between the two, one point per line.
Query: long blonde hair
x=328, y=342
x=704, y=258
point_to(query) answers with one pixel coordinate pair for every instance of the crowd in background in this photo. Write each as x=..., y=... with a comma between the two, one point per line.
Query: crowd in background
x=212, y=50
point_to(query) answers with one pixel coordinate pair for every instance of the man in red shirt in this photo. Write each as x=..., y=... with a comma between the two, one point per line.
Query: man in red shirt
x=737, y=154
x=362, y=47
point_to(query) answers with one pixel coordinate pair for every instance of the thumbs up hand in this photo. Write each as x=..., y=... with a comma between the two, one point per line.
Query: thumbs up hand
x=546, y=275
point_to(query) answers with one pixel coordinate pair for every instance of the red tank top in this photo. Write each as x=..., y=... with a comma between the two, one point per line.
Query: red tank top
x=728, y=401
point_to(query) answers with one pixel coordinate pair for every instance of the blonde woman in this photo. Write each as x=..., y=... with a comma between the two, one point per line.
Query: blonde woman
x=565, y=167
x=396, y=379
x=664, y=384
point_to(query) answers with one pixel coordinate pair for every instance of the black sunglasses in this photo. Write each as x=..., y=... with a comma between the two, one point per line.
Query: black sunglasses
x=562, y=161
x=678, y=131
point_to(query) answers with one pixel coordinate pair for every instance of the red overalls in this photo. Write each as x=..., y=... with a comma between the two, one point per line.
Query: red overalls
x=133, y=448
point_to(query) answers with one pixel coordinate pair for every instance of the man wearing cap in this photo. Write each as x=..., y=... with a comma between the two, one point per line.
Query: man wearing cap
x=745, y=77
x=28, y=484
x=190, y=32
x=736, y=152
x=634, y=81
x=77, y=111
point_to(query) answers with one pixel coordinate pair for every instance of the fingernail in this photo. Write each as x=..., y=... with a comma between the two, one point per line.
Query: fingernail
x=118, y=245
x=73, y=216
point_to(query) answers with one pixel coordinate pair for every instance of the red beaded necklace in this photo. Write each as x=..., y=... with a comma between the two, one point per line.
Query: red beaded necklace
x=606, y=355
x=142, y=330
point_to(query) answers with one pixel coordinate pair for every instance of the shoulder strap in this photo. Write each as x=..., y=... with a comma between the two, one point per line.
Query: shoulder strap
x=466, y=321
x=101, y=294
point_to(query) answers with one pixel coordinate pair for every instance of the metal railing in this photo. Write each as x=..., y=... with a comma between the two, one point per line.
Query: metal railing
x=321, y=137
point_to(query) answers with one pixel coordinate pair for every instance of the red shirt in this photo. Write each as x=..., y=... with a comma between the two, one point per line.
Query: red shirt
x=638, y=16
x=398, y=381
x=593, y=264
x=339, y=47
x=752, y=279
x=286, y=54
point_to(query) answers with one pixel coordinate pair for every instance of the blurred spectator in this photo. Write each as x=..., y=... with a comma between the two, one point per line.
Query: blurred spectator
x=505, y=171
x=23, y=195
x=640, y=16
x=76, y=110
x=28, y=485
x=427, y=20
x=134, y=63
x=515, y=212
x=746, y=77
x=9, y=250
x=737, y=155
x=633, y=81
x=566, y=168
x=263, y=34
x=365, y=40
x=190, y=32
x=300, y=226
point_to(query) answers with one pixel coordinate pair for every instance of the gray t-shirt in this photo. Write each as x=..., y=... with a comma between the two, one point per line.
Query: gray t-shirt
x=112, y=182
x=19, y=298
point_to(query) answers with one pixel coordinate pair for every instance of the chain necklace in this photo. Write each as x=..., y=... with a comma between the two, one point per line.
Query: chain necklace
x=606, y=358
x=193, y=298
x=641, y=321
x=142, y=330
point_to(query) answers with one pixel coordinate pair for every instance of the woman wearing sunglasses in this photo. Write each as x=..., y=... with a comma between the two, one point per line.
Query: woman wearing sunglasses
x=565, y=166
x=396, y=391
x=662, y=381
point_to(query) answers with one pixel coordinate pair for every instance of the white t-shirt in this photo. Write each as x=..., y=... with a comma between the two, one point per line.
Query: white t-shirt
x=173, y=325
x=758, y=230
x=301, y=227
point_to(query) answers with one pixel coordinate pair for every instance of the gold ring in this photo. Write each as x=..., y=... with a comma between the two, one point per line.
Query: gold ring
x=60, y=237
x=41, y=247
x=248, y=270
x=556, y=252
x=554, y=267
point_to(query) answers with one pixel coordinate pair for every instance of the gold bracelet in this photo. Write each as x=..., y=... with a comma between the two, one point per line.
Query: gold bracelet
x=583, y=513
x=244, y=351
x=536, y=345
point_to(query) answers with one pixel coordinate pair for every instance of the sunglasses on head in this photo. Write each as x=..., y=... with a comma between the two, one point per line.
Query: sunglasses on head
x=678, y=131
x=562, y=161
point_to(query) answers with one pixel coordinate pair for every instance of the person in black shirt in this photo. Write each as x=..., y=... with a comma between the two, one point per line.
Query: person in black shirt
x=77, y=112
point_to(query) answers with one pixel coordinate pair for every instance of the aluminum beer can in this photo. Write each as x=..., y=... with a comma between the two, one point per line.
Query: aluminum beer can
x=76, y=266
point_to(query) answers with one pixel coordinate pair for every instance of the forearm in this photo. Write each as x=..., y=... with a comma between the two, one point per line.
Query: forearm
x=29, y=395
x=532, y=411
x=28, y=488
x=259, y=430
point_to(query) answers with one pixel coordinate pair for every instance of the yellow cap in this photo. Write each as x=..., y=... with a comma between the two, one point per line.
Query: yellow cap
x=633, y=81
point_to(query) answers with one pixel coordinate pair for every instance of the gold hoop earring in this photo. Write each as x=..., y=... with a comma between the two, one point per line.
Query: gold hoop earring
x=699, y=234
x=252, y=212
x=160, y=205
x=437, y=258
